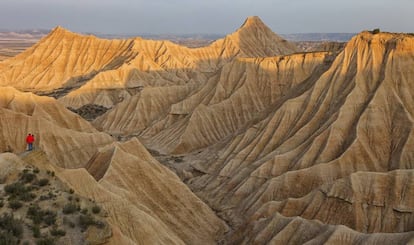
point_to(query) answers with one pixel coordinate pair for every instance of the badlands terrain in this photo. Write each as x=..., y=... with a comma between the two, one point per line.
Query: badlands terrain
x=248, y=140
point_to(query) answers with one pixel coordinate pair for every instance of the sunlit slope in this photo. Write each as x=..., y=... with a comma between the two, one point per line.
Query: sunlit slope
x=356, y=117
x=108, y=71
x=65, y=137
x=179, y=119
x=146, y=202
x=63, y=59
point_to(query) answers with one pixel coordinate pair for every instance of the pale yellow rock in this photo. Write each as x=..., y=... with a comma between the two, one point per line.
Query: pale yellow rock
x=66, y=138
x=288, y=148
x=145, y=201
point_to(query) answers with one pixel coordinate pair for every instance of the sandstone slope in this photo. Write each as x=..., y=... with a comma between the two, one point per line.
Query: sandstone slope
x=287, y=148
x=303, y=157
x=108, y=71
x=146, y=202
x=66, y=138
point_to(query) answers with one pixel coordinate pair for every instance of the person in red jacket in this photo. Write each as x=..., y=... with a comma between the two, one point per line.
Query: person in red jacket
x=29, y=140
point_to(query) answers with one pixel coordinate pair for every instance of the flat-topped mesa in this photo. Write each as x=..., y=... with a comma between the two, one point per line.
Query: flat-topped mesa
x=255, y=39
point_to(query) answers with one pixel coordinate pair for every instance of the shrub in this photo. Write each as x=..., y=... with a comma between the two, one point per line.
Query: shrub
x=15, y=204
x=9, y=224
x=43, y=197
x=27, y=177
x=99, y=224
x=27, y=196
x=57, y=232
x=35, y=214
x=70, y=208
x=45, y=241
x=71, y=191
x=16, y=189
x=67, y=221
x=38, y=215
x=84, y=210
x=36, y=231
x=36, y=170
x=376, y=31
x=96, y=209
x=49, y=217
x=85, y=221
x=51, y=195
x=43, y=182
x=178, y=160
x=1, y=203
x=7, y=238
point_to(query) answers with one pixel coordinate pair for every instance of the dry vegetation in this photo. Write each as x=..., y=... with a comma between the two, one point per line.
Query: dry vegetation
x=37, y=207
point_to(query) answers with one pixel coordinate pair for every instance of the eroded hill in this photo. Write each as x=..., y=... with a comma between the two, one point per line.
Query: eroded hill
x=285, y=147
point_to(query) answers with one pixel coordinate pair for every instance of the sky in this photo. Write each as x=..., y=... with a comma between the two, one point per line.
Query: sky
x=207, y=16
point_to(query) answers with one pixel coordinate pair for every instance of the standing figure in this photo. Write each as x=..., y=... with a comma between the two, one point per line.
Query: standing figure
x=29, y=141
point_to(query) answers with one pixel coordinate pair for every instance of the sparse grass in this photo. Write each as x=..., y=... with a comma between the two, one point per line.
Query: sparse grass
x=15, y=204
